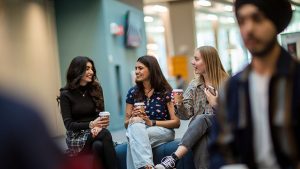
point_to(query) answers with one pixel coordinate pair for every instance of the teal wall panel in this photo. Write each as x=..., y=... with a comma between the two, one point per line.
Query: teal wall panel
x=83, y=28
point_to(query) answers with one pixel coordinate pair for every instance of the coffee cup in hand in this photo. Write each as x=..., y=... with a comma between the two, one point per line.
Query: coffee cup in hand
x=104, y=114
x=234, y=166
x=140, y=105
x=177, y=94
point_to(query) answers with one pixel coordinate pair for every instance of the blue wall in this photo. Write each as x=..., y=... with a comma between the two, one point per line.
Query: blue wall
x=83, y=28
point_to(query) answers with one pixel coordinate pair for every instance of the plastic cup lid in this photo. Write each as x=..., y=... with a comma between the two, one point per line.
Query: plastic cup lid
x=139, y=104
x=104, y=113
x=234, y=166
x=177, y=90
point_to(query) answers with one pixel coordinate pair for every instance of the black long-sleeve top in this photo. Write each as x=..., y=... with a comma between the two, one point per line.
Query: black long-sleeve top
x=78, y=108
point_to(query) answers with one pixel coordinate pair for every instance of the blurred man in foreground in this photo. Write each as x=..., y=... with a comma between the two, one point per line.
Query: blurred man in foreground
x=259, y=112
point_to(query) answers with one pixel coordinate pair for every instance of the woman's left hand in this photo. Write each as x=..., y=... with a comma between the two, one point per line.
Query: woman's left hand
x=102, y=122
x=95, y=131
x=144, y=116
x=212, y=100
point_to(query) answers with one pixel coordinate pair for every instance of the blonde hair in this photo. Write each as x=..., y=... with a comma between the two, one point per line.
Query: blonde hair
x=214, y=68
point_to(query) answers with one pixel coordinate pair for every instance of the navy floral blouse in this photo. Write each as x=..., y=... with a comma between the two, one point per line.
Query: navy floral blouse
x=156, y=105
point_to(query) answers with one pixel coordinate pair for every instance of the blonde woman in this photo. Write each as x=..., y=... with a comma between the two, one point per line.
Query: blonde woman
x=198, y=104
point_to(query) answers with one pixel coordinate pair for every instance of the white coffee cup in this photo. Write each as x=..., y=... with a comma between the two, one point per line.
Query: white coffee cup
x=177, y=91
x=104, y=114
x=234, y=166
x=140, y=105
x=177, y=94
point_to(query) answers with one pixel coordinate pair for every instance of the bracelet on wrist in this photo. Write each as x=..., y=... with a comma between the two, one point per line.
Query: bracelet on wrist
x=153, y=122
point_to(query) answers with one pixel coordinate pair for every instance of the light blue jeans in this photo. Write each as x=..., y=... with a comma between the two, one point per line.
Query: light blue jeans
x=141, y=140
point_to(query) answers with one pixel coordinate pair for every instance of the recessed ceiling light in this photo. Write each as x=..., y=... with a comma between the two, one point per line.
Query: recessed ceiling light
x=152, y=46
x=160, y=8
x=148, y=19
x=226, y=20
x=212, y=17
x=155, y=29
x=228, y=8
x=203, y=3
x=154, y=9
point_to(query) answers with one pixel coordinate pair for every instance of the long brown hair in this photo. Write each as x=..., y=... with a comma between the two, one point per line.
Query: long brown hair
x=76, y=71
x=214, y=68
x=157, y=79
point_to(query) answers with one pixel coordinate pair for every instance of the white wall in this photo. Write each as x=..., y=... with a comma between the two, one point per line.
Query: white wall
x=29, y=64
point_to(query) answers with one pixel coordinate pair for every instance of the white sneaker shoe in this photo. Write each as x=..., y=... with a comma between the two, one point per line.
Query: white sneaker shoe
x=167, y=162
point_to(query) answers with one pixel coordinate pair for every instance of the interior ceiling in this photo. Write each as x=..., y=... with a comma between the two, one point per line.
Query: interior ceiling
x=161, y=1
x=158, y=1
x=297, y=2
x=155, y=1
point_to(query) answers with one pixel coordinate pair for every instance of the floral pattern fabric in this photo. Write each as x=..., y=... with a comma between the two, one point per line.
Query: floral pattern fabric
x=156, y=106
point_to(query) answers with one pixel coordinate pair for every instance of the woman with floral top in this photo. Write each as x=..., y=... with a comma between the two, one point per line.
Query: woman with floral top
x=198, y=103
x=152, y=125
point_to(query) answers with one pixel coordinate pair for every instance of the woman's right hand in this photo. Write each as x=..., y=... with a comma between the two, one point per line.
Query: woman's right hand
x=102, y=122
x=136, y=112
x=212, y=99
x=177, y=99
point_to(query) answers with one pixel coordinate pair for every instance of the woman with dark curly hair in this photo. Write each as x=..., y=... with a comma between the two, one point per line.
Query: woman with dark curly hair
x=152, y=122
x=81, y=101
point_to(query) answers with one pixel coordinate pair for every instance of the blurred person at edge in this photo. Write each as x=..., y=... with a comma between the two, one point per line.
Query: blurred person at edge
x=81, y=100
x=154, y=126
x=180, y=82
x=25, y=142
x=198, y=103
x=258, y=118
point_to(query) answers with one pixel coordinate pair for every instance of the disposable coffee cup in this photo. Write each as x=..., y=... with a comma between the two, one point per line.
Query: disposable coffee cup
x=179, y=91
x=234, y=166
x=140, y=105
x=104, y=114
x=177, y=94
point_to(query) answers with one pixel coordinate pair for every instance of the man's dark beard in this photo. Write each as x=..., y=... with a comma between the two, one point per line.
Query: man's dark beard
x=266, y=50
